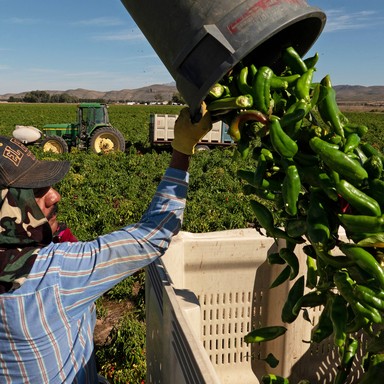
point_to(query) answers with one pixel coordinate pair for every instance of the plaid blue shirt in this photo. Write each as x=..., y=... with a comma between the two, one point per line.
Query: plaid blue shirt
x=46, y=326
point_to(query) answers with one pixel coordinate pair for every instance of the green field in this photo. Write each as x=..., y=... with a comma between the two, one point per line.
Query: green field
x=131, y=178
x=105, y=192
x=215, y=200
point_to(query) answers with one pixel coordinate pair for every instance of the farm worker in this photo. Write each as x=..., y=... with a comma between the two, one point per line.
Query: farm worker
x=48, y=288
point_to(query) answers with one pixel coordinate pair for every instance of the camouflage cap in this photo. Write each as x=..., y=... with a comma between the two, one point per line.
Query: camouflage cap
x=19, y=168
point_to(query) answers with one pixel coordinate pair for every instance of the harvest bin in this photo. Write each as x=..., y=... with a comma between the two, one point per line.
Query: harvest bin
x=199, y=41
x=205, y=294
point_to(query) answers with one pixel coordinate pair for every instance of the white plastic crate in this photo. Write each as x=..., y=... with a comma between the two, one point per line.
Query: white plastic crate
x=205, y=294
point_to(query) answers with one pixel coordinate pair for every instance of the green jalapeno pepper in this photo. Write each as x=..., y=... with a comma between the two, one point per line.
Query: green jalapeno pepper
x=242, y=81
x=265, y=334
x=345, y=285
x=368, y=296
x=328, y=107
x=278, y=83
x=338, y=161
x=262, y=89
x=346, y=360
x=303, y=85
x=292, y=120
x=331, y=260
x=216, y=91
x=294, y=114
x=352, y=141
x=360, y=154
x=241, y=118
x=370, y=150
x=291, y=190
x=273, y=379
x=364, y=260
x=310, y=62
x=339, y=317
x=359, y=200
x=265, y=194
x=281, y=142
x=360, y=129
x=290, y=79
x=318, y=231
x=362, y=223
x=312, y=275
x=261, y=169
x=294, y=61
x=227, y=103
x=374, y=167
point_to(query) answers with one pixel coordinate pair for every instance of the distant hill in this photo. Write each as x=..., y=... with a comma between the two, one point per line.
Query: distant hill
x=164, y=92
x=155, y=92
x=359, y=93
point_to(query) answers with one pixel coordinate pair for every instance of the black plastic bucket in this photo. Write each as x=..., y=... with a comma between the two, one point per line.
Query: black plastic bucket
x=200, y=40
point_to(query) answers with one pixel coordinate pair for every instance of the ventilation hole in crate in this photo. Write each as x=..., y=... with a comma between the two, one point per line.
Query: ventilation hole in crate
x=225, y=319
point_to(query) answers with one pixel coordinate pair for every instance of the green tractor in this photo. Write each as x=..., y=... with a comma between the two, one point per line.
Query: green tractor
x=92, y=130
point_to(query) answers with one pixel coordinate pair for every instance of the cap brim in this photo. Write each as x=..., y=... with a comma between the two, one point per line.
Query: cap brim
x=43, y=174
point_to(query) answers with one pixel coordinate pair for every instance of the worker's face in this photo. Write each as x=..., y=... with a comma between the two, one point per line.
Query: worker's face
x=47, y=199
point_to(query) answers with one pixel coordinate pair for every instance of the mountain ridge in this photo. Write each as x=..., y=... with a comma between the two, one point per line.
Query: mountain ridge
x=165, y=92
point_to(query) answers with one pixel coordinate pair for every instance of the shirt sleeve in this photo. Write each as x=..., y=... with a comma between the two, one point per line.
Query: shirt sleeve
x=88, y=269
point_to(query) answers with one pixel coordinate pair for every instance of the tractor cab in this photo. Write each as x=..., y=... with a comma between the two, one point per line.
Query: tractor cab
x=92, y=114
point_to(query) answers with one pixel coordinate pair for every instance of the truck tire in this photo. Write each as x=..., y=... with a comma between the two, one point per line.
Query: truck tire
x=55, y=144
x=107, y=139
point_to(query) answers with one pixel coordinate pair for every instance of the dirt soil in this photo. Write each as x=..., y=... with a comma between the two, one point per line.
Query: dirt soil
x=363, y=107
x=114, y=313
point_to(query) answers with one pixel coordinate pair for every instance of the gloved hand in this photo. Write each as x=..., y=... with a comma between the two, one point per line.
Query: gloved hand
x=187, y=133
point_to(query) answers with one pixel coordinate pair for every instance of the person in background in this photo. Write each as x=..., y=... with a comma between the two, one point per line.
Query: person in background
x=49, y=281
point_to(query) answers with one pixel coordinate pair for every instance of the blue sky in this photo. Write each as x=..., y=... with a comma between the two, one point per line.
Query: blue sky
x=94, y=44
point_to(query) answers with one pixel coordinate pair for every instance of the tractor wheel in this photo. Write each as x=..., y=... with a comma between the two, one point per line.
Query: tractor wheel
x=106, y=140
x=201, y=147
x=55, y=144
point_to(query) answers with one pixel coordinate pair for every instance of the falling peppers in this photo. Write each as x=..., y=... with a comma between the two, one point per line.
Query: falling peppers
x=315, y=167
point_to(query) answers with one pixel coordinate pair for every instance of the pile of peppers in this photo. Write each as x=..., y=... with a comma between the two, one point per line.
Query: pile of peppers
x=316, y=168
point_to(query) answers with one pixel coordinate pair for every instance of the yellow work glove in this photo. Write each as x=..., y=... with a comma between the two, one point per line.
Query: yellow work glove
x=187, y=133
